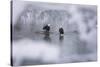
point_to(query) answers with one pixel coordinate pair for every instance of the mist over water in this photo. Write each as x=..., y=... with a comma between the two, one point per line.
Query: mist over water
x=31, y=46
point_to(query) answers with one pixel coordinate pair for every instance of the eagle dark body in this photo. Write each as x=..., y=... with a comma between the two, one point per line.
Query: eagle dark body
x=61, y=31
x=46, y=28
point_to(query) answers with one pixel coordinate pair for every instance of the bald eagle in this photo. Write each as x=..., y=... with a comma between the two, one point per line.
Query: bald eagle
x=61, y=31
x=47, y=28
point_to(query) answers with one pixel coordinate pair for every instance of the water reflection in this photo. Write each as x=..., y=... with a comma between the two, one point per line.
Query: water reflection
x=61, y=38
x=47, y=36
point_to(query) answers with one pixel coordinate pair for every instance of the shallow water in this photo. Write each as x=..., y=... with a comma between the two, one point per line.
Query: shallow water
x=62, y=49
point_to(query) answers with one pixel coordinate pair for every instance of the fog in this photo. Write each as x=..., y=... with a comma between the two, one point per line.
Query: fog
x=31, y=46
x=29, y=49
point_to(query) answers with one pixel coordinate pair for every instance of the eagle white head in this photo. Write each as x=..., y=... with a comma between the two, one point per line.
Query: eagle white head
x=48, y=24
